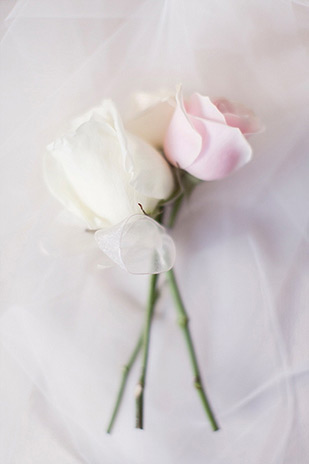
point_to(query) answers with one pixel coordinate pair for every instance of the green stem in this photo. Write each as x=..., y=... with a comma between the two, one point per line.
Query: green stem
x=183, y=322
x=140, y=388
x=125, y=374
x=175, y=210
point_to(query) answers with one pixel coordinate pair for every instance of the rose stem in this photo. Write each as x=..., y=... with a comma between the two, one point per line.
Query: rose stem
x=175, y=210
x=183, y=321
x=140, y=388
x=125, y=374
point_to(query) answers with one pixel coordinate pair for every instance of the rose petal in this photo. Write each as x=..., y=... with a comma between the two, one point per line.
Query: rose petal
x=224, y=150
x=182, y=143
x=238, y=115
x=151, y=176
x=60, y=187
x=81, y=160
x=139, y=245
x=151, y=124
x=202, y=107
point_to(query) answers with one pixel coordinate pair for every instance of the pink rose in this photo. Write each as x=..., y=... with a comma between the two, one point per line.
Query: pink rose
x=207, y=138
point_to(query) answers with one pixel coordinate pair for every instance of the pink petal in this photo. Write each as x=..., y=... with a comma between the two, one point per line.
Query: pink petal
x=182, y=144
x=204, y=108
x=237, y=115
x=224, y=150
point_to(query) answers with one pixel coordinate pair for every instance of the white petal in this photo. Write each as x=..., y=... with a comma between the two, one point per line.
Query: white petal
x=100, y=175
x=151, y=175
x=151, y=124
x=88, y=175
x=139, y=245
x=59, y=185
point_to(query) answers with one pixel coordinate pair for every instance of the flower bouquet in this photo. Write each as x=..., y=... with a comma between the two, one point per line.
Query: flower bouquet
x=127, y=182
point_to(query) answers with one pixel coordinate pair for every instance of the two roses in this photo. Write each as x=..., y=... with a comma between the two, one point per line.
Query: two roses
x=109, y=174
x=116, y=180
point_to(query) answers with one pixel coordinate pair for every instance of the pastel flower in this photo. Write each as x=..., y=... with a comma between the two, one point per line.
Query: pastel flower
x=100, y=172
x=207, y=138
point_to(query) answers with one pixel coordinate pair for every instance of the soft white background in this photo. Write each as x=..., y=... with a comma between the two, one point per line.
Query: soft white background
x=242, y=243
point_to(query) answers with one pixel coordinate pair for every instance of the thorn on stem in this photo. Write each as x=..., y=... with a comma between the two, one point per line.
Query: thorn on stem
x=138, y=390
x=197, y=383
x=183, y=321
x=125, y=369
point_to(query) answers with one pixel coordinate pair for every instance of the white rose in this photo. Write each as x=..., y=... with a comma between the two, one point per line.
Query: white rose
x=150, y=115
x=100, y=172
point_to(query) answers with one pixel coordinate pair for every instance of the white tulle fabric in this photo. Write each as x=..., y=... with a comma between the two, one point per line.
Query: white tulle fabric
x=139, y=244
x=242, y=243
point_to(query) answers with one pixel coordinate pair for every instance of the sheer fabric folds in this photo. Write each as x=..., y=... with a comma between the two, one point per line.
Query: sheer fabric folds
x=242, y=243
